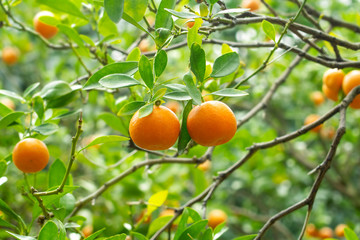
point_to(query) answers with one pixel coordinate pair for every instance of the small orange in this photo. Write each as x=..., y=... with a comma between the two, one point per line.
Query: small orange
x=157, y=131
x=216, y=217
x=87, y=230
x=144, y=45
x=311, y=230
x=30, y=155
x=325, y=232
x=167, y=212
x=352, y=80
x=173, y=106
x=333, y=79
x=10, y=55
x=190, y=23
x=45, y=30
x=8, y=103
x=212, y=123
x=330, y=94
x=312, y=118
x=252, y=4
x=204, y=166
x=317, y=97
x=327, y=133
x=339, y=230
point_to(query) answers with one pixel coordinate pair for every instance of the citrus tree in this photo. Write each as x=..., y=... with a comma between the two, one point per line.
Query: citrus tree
x=179, y=119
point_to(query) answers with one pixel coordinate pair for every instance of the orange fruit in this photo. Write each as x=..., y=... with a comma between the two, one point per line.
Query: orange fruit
x=10, y=55
x=204, y=166
x=190, y=23
x=157, y=131
x=252, y=4
x=167, y=212
x=311, y=230
x=333, y=79
x=352, y=80
x=339, y=230
x=8, y=103
x=330, y=94
x=328, y=133
x=30, y=155
x=212, y=123
x=173, y=106
x=317, y=97
x=144, y=45
x=325, y=232
x=312, y=118
x=45, y=30
x=87, y=230
x=207, y=97
x=216, y=217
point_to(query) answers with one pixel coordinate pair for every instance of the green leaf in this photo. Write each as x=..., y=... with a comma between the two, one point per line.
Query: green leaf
x=193, y=36
x=145, y=70
x=193, y=230
x=182, y=223
x=107, y=28
x=39, y=107
x=197, y=61
x=46, y=129
x=67, y=202
x=199, y=181
x=3, y=167
x=230, y=11
x=204, y=10
x=136, y=8
x=159, y=93
x=212, y=2
x=156, y=200
x=138, y=236
x=87, y=39
x=195, y=216
x=66, y=6
x=11, y=214
x=95, y=234
x=176, y=87
x=72, y=34
x=184, y=15
x=56, y=173
x=10, y=118
x=6, y=224
x=225, y=65
x=117, y=237
x=192, y=89
x=157, y=224
x=120, y=67
x=230, y=92
x=160, y=62
x=163, y=18
x=11, y=95
x=184, y=137
x=49, y=231
x=134, y=55
x=269, y=29
x=20, y=237
x=129, y=19
x=247, y=237
x=67, y=114
x=55, y=89
x=350, y=234
x=207, y=234
x=225, y=48
x=146, y=110
x=106, y=139
x=220, y=230
x=178, y=96
x=130, y=108
x=29, y=91
x=62, y=100
x=4, y=110
x=118, y=80
x=114, y=9
x=115, y=123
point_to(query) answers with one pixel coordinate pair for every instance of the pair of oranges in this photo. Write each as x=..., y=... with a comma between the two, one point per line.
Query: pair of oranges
x=210, y=124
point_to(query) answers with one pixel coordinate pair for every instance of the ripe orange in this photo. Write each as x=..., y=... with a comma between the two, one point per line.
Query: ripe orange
x=330, y=94
x=45, y=30
x=204, y=166
x=352, y=80
x=317, y=97
x=311, y=230
x=30, y=155
x=310, y=119
x=216, y=217
x=144, y=45
x=325, y=232
x=212, y=123
x=333, y=79
x=157, y=131
x=339, y=230
x=173, y=106
x=8, y=103
x=87, y=230
x=167, y=212
x=190, y=23
x=10, y=55
x=252, y=4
